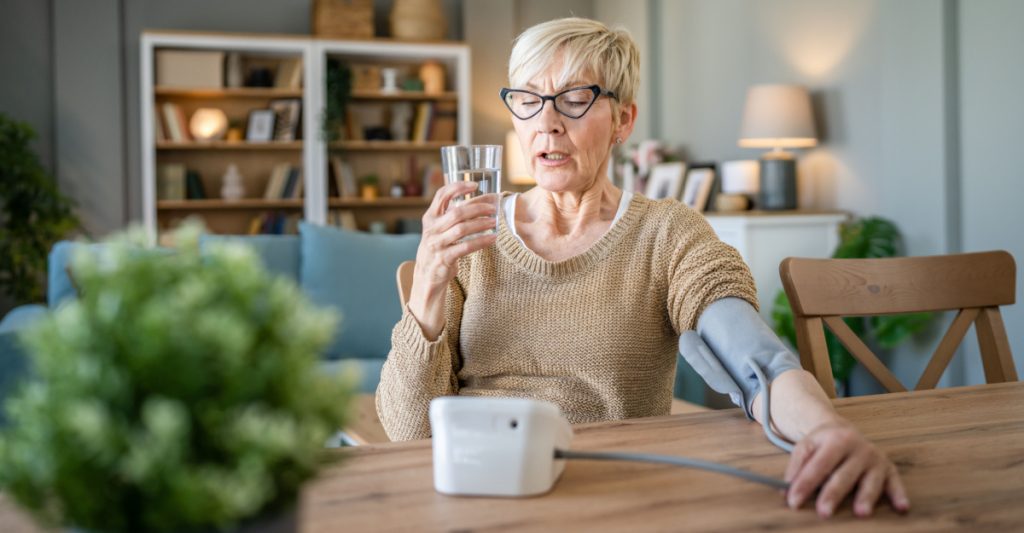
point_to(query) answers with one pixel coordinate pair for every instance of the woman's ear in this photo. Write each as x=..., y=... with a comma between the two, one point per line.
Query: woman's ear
x=627, y=121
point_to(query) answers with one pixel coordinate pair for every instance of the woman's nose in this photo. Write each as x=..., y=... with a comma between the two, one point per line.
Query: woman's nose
x=549, y=120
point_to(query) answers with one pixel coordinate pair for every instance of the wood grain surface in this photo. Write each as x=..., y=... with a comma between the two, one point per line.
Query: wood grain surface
x=961, y=452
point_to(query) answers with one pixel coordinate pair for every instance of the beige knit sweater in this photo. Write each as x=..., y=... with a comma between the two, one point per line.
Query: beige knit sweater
x=595, y=334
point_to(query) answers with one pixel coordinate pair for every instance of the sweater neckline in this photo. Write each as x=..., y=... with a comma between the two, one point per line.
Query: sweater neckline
x=518, y=253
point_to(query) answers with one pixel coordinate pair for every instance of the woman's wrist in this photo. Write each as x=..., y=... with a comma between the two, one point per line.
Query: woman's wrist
x=427, y=308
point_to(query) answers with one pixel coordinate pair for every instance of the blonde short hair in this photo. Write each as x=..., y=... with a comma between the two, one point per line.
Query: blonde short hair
x=586, y=46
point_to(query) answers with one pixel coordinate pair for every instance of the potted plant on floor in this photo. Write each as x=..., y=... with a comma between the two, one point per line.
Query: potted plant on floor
x=872, y=237
x=33, y=214
x=179, y=393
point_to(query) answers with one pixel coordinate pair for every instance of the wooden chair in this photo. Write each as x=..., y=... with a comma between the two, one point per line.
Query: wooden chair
x=822, y=291
x=404, y=279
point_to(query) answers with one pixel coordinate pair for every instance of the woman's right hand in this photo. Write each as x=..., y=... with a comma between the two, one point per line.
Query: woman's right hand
x=437, y=259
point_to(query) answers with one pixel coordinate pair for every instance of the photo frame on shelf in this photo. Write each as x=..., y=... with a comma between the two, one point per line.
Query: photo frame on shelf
x=260, y=126
x=665, y=181
x=700, y=180
x=287, y=114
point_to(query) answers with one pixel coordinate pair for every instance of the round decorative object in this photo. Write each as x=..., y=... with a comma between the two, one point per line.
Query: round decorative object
x=208, y=124
x=232, y=189
x=418, y=20
x=731, y=202
x=432, y=74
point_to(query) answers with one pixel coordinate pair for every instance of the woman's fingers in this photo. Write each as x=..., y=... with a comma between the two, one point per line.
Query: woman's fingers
x=460, y=213
x=828, y=454
x=870, y=490
x=465, y=229
x=468, y=246
x=896, y=491
x=445, y=194
x=841, y=482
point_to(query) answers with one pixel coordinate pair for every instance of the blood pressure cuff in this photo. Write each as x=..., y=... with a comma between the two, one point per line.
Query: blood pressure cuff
x=730, y=331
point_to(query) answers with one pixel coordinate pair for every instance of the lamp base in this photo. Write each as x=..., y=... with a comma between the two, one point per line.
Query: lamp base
x=778, y=184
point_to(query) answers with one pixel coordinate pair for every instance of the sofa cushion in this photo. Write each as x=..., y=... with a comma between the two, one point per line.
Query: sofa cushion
x=280, y=253
x=354, y=272
x=59, y=286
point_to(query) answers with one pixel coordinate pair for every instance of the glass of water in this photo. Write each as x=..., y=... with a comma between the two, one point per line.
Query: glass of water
x=479, y=163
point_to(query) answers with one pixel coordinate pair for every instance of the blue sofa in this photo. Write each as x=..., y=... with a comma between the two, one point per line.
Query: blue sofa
x=350, y=271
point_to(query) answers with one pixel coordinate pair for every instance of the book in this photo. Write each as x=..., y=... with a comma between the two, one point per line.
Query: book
x=174, y=127
x=170, y=181
x=421, y=122
x=344, y=178
x=300, y=186
x=194, y=189
x=444, y=123
x=290, y=182
x=276, y=183
x=159, y=133
x=289, y=74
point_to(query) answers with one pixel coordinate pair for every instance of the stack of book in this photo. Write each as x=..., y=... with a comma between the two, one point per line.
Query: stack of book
x=285, y=182
x=434, y=121
x=274, y=223
x=170, y=124
x=175, y=182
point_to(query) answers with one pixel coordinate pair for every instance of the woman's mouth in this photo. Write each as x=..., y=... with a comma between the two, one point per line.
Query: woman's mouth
x=552, y=159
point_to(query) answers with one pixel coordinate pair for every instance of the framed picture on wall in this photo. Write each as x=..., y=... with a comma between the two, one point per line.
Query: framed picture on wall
x=665, y=181
x=260, y=127
x=700, y=180
x=287, y=114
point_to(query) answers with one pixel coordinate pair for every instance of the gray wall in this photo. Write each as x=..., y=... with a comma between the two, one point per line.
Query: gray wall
x=991, y=116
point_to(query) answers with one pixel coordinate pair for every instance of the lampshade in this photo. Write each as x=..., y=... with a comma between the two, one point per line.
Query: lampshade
x=778, y=116
x=740, y=177
x=515, y=165
x=208, y=124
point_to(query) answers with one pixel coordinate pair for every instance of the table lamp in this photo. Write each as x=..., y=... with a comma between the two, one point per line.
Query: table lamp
x=777, y=117
x=515, y=166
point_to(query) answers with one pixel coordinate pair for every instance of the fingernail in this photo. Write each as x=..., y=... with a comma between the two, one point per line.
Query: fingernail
x=862, y=509
x=825, y=510
x=794, y=500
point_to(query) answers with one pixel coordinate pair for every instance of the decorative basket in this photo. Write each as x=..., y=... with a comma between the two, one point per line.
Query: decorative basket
x=418, y=20
x=352, y=19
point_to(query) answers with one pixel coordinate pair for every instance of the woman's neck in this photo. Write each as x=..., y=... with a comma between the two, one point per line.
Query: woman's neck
x=570, y=213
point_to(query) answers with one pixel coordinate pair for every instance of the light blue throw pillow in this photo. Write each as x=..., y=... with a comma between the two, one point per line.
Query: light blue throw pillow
x=280, y=253
x=354, y=272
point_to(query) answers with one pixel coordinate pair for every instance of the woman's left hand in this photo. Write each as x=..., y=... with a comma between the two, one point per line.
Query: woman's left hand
x=841, y=461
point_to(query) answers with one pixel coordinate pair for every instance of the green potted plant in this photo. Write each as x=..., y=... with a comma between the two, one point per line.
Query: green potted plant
x=33, y=214
x=871, y=237
x=179, y=393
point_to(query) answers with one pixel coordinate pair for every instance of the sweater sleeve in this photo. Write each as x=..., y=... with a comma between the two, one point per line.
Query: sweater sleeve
x=704, y=269
x=418, y=370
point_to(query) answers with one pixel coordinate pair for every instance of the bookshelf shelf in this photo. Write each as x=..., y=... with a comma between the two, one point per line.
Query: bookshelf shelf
x=229, y=145
x=404, y=96
x=389, y=146
x=239, y=92
x=359, y=203
x=218, y=203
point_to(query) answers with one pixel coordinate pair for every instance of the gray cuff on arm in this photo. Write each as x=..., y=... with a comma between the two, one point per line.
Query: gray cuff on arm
x=728, y=332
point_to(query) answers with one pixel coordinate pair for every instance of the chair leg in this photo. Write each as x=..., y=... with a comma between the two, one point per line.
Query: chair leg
x=996, y=357
x=810, y=337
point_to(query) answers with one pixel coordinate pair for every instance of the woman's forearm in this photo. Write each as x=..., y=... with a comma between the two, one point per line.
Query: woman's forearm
x=798, y=405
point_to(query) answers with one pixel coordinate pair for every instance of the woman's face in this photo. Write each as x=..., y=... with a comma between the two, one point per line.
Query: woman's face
x=565, y=154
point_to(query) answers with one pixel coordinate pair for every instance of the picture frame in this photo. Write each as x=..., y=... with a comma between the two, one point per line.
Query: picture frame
x=287, y=115
x=260, y=125
x=697, y=189
x=665, y=180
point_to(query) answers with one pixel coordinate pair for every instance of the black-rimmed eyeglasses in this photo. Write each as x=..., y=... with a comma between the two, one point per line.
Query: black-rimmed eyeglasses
x=573, y=103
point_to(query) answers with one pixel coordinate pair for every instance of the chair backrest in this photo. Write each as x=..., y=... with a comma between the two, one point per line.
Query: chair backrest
x=404, y=279
x=823, y=291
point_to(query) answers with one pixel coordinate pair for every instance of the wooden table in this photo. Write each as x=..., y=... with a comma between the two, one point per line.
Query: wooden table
x=961, y=452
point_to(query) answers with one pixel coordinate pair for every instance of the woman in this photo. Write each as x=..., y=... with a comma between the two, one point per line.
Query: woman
x=582, y=295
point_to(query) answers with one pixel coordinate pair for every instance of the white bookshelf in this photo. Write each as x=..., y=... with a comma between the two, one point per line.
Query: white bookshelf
x=312, y=151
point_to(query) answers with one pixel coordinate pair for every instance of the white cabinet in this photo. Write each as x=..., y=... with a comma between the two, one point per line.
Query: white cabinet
x=765, y=238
